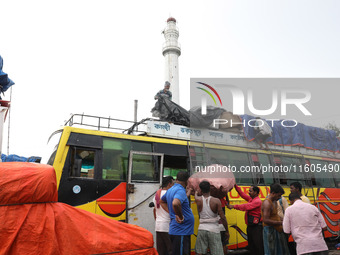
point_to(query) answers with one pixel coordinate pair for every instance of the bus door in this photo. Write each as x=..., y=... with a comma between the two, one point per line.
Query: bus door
x=144, y=179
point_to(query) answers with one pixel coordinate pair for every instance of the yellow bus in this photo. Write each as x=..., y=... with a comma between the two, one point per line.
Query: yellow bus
x=116, y=174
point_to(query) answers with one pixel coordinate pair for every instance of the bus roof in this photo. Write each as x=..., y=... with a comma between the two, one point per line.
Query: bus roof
x=166, y=132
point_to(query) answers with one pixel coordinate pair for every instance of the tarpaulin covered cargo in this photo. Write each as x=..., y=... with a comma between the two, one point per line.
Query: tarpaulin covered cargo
x=5, y=82
x=167, y=110
x=299, y=135
x=16, y=158
x=33, y=222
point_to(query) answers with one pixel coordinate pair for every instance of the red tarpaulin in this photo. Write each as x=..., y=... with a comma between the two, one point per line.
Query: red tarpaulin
x=33, y=222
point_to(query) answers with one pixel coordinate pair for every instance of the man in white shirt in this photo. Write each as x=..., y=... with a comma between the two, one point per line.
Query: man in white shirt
x=306, y=223
x=208, y=235
x=162, y=218
x=264, y=132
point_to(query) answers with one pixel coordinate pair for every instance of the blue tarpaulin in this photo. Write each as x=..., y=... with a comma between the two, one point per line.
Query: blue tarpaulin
x=299, y=135
x=5, y=82
x=16, y=158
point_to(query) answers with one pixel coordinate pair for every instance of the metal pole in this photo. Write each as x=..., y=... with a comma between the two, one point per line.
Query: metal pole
x=3, y=109
x=135, y=111
x=9, y=121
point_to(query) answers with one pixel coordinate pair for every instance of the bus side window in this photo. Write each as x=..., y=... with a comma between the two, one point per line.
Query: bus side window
x=308, y=174
x=145, y=168
x=175, y=158
x=236, y=160
x=198, y=158
x=336, y=170
x=82, y=163
x=293, y=166
x=262, y=178
x=282, y=176
x=115, y=158
x=323, y=177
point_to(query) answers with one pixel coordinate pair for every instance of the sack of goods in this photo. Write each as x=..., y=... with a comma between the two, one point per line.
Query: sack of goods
x=220, y=177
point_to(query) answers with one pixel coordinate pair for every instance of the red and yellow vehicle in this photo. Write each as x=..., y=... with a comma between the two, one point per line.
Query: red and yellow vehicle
x=116, y=175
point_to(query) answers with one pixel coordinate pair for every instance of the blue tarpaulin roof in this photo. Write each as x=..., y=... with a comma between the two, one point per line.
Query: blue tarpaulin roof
x=5, y=82
x=300, y=135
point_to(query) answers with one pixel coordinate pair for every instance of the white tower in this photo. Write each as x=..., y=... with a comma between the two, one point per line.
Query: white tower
x=171, y=52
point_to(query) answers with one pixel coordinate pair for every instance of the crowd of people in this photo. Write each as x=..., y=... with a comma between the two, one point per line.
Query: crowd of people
x=269, y=223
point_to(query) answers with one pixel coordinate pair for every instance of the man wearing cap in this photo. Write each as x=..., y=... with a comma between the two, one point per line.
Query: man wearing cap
x=165, y=92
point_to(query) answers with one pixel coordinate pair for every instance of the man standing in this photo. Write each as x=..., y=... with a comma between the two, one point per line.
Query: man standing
x=264, y=132
x=222, y=195
x=306, y=223
x=297, y=187
x=282, y=205
x=165, y=92
x=208, y=235
x=252, y=218
x=181, y=216
x=162, y=218
x=274, y=240
x=224, y=236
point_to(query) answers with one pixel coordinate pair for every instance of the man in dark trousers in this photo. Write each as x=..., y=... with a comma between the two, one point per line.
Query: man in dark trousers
x=252, y=218
x=176, y=202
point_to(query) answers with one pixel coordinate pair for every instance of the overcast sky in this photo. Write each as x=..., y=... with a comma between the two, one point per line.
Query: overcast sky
x=97, y=57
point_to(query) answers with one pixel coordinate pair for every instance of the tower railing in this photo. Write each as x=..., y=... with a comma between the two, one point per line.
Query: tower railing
x=171, y=27
x=171, y=46
x=171, y=43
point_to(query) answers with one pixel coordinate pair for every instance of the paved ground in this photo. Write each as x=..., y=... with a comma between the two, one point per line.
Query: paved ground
x=245, y=252
x=331, y=246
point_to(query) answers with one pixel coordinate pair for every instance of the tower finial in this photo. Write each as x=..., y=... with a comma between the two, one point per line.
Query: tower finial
x=171, y=19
